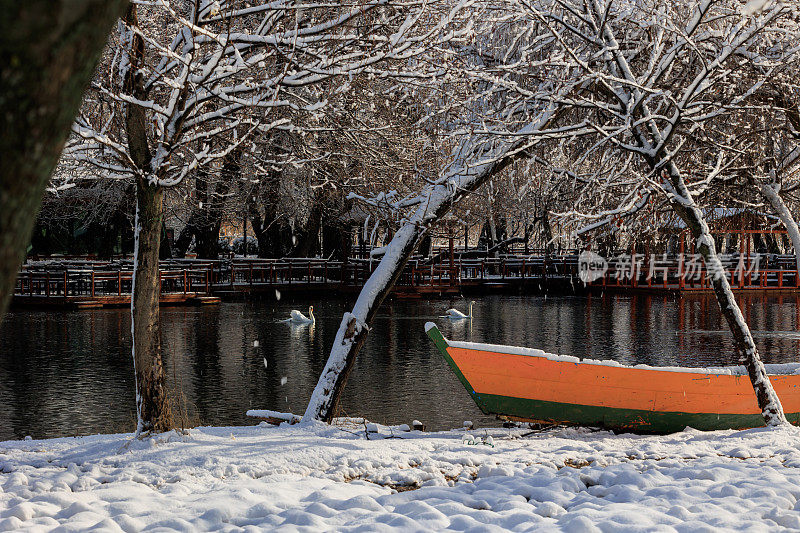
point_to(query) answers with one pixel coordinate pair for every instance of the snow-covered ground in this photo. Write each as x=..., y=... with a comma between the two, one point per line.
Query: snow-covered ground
x=333, y=478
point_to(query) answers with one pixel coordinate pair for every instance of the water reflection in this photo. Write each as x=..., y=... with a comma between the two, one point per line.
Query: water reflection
x=67, y=373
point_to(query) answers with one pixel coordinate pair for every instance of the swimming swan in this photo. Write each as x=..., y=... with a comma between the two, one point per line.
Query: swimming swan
x=455, y=314
x=300, y=318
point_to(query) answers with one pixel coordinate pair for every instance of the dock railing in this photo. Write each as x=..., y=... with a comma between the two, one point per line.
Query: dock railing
x=448, y=275
x=90, y=283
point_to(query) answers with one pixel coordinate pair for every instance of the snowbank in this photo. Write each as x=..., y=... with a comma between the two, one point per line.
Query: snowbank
x=335, y=478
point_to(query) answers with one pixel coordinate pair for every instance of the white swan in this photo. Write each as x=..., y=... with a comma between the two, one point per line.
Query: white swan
x=455, y=314
x=300, y=318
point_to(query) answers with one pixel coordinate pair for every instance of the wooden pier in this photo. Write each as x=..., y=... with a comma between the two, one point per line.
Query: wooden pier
x=420, y=279
x=89, y=284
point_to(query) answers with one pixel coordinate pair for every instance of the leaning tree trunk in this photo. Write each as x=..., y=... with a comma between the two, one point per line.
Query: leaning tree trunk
x=436, y=200
x=684, y=205
x=772, y=194
x=48, y=50
x=152, y=406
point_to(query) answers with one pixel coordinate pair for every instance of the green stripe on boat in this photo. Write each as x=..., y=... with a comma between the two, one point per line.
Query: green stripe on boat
x=441, y=343
x=634, y=420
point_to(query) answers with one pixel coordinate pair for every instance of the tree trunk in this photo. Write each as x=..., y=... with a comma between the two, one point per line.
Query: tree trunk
x=271, y=228
x=165, y=251
x=547, y=233
x=335, y=238
x=488, y=158
x=191, y=229
x=258, y=223
x=272, y=234
x=207, y=243
x=772, y=194
x=48, y=50
x=308, y=238
x=207, y=232
x=685, y=207
x=205, y=222
x=152, y=406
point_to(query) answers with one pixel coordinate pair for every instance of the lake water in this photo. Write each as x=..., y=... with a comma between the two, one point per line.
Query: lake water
x=70, y=373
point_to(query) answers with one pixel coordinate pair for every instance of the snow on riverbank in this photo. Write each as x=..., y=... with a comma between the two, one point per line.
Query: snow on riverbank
x=333, y=478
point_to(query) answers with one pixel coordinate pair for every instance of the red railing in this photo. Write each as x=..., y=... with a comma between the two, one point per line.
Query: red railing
x=93, y=283
x=95, y=279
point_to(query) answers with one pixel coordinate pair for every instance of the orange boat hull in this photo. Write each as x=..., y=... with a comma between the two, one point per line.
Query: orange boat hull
x=563, y=390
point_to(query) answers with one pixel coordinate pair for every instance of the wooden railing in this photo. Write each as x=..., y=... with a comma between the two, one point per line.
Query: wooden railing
x=94, y=283
x=95, y=279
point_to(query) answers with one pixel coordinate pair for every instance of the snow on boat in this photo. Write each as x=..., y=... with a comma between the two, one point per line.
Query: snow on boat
x=529, y=385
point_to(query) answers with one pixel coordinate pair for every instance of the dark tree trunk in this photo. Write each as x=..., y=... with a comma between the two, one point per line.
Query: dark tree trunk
x=335, y=240
x=151, y=399
x=425, y=246
x=207, y=231
x=205, y=240
x=165, y=250
x=184, y=239
x=547, y=233
x=258, y=224
x=308, y=237
x=110, y=234
x=273, y=234
x=190, y=230
x=271, y=229
x=486, y=238
x=48, y=50
x=152, y=406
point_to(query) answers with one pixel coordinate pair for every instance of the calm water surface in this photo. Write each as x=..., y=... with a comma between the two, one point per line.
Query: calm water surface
x=70, y=373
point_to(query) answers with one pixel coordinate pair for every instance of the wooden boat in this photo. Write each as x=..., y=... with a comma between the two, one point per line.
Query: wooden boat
x=525, y=384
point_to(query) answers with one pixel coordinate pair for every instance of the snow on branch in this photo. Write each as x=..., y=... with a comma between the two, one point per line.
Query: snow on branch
x=214, y=74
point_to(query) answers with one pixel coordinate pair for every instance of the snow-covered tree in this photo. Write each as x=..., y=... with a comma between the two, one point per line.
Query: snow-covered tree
x=628, y=88
x=488, y=135
x=661, y=75
x=187, y=84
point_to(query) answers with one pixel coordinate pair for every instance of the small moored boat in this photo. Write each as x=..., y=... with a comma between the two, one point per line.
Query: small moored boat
x=529, y=385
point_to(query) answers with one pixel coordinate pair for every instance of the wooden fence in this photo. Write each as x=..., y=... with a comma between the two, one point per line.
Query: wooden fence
x=195, y=281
